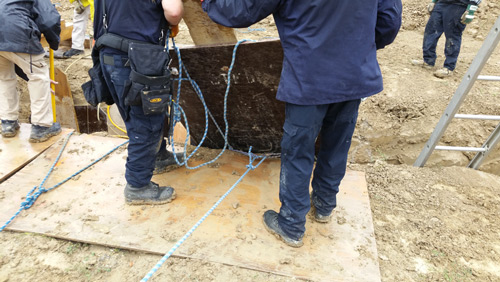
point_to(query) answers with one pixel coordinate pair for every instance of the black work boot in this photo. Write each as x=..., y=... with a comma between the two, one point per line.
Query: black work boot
x=43, y=133
x=10, y=128
x=270, y=220
x=151, y=194
x=165, y=161
x=72, y=52
x=319, y=217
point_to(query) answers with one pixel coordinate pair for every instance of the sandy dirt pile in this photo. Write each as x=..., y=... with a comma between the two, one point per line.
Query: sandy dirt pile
x=437, y=223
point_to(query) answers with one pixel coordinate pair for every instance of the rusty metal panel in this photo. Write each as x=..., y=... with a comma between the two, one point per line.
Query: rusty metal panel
x=255, y=116
x=16, y=152
x=91, y=209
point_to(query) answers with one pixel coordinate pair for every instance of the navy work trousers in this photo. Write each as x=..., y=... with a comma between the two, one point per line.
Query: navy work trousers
x=303, y=124
x=444, y=18
x=145, y=132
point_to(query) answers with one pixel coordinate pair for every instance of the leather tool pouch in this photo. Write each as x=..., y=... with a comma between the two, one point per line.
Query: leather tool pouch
x=96, y=90
x=150, y=82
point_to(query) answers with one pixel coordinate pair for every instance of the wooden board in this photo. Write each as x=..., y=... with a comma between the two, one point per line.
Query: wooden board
x=66, y=33
x=255, y=117
x=65, y=108
x=16, y=152
x=233, y=234
x=202, y=29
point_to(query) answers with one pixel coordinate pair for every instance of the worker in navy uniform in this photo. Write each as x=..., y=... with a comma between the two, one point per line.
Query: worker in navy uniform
x=330, y=64
x=137, y=21
x=449, y=17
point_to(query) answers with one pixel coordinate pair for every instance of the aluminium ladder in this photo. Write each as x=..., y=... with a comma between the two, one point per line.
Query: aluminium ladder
x=463, y=89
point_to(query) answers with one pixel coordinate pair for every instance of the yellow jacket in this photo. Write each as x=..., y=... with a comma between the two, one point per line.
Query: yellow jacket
x=85, y=3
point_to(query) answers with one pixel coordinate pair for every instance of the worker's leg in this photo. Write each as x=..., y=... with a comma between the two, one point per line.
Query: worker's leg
x=336, y=133
x=301, y=128
x=145, y=132
x=37, y=70
x=433, y=31
x=79, y=28
x=9, y=100
x=80, y=21
x=453, y=30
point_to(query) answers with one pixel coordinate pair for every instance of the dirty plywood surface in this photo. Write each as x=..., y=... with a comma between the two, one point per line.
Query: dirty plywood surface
x=91, y=209
x=254, y=115
x=15, y=152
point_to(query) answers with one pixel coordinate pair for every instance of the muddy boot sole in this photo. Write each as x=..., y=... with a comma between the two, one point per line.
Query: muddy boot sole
x=151, y=203
x=279, y=237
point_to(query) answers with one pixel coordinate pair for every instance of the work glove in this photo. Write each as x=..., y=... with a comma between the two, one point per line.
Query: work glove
x=430, y=6
x=79, y=8
x=174, y=29
x=468, y=15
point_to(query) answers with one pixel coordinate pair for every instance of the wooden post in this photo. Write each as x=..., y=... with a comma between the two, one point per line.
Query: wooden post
x=66, y=114
x=202, y=29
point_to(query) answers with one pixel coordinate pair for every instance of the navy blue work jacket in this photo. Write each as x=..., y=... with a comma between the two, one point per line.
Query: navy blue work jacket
x=133, y=19
x=330, y=47
x=22, y=23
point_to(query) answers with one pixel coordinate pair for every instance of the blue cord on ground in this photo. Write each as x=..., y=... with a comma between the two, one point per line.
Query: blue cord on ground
x=250, y=166
x=32, y=196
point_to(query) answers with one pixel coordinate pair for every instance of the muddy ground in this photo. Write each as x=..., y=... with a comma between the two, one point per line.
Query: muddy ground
x=437, y=223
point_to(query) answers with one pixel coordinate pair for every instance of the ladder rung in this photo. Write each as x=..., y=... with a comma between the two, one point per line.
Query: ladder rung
x=485, y=117
x=488, y=77
x=452, y=148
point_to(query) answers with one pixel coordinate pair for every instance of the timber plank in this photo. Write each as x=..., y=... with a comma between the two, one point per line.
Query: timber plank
x=66, y=33
x=202, y=29
x=65, y=107
x=16, y=152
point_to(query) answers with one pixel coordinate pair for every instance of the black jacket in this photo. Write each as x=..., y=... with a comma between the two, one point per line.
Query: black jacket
x=24, y=21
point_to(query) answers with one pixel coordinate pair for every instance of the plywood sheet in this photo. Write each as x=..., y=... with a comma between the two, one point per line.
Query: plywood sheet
x=15, y=152
x=91, y=209
x=254, y=115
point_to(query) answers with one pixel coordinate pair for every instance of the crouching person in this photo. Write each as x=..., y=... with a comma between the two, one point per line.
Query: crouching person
x=131, y=59
x=22, y=23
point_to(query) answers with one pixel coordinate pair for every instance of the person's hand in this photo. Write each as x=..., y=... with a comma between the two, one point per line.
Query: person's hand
x=468, y=15
x=430, y=7
x=55, y=83
x=174, y=29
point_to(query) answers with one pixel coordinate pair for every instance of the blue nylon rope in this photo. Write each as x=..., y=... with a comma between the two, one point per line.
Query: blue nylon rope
x=178, y=111
x=32, y=196
x=250, y=166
